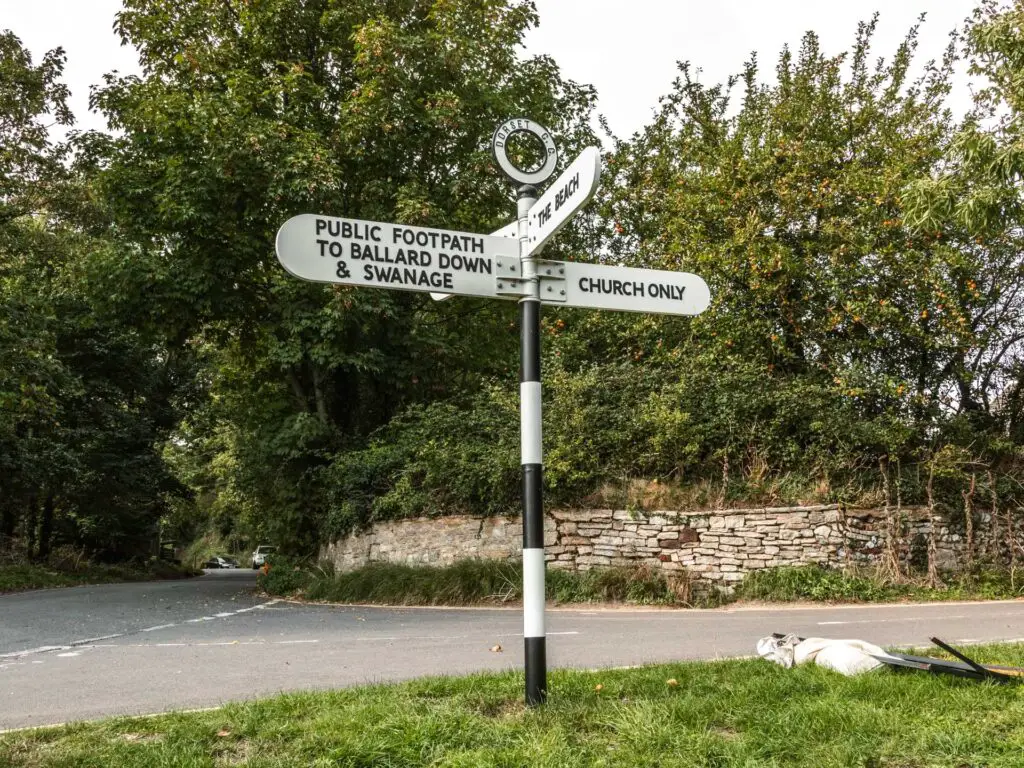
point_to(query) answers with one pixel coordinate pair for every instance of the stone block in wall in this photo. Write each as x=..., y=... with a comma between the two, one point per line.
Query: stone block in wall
x=580, y=515
x=732, y=522
x=689, y=535
x=668, y=535
x=670, y=543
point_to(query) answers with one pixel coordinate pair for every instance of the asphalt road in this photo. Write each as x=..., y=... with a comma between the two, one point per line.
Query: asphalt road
x=88, y=652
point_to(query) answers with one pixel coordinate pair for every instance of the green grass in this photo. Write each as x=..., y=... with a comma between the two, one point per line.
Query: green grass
x=18, y=577
x=734, y=713
x=470, y=582
x=815, y=582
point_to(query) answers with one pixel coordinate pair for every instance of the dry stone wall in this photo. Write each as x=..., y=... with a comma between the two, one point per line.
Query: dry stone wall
x=716, y=548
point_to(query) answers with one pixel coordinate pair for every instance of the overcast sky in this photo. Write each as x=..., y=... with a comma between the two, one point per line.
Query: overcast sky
x=627, y=49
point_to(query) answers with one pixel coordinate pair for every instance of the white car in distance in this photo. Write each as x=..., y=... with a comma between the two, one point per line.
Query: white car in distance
x=259, y=557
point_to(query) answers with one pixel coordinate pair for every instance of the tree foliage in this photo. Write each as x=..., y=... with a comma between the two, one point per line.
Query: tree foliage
x=861, y=244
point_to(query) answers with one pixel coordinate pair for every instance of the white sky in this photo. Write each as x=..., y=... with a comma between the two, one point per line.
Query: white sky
x=627, y=49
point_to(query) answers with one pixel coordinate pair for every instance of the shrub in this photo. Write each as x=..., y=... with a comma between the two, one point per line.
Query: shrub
x=284, y=576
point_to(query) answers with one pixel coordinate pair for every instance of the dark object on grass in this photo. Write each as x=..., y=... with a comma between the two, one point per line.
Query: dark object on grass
x=966, y=667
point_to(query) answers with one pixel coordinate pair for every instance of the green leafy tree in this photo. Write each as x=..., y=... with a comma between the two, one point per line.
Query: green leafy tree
x=247, y=113
x=84, y=400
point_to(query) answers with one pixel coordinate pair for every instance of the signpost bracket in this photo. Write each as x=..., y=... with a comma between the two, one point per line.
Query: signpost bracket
x=552, y=281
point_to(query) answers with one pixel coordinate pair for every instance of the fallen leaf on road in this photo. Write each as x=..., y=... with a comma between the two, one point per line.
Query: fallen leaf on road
x=497, y=649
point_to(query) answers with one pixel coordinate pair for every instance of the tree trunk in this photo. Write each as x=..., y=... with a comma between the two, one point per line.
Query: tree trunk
x=933, y=547
x=321, y=399
x=8, y=521
x=30, y=527
x=46, y=528
x=993, y=544
x=968, y=497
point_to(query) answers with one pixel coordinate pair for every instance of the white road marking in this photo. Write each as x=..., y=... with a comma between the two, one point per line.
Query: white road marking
x=40, y=649
x=92, y=641
x=886, y=621
x=72, y=653
x=294, y=642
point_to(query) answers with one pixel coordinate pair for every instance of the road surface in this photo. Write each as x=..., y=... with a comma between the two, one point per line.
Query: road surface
x=88, y=652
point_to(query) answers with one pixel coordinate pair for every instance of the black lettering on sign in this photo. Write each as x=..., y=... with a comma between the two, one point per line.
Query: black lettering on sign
x=666, y=291
x=349, y=230
x=407, y=276
x=342, y=270
x=543, y=215
x=331, y=248
x=476, y=264
x=571, y=188
x=612, y=287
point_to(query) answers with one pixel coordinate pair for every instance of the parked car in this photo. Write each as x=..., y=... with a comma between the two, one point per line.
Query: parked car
x=259, y=557
x=220, y=562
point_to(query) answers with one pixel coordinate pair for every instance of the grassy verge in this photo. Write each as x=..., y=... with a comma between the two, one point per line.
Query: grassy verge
x=814, y=582
x=734, y=713
x=18, y=577
x=490, y=582
x=471, y=582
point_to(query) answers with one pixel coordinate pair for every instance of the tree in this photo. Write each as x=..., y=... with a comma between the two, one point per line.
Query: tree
x=84, y=400
x=247, y=113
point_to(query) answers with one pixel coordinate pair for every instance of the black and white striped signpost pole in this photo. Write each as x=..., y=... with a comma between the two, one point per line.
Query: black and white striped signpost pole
x=533, y=472
x=502, y=265
x=530, y=426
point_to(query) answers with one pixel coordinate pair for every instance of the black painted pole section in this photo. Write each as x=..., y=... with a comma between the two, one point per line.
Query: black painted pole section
x=533, y=468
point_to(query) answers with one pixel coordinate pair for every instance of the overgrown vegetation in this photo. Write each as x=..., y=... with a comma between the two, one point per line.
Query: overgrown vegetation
x=469, y=582
x=65, y=568
x=161, y=377
x=731, y=713
x=820, y=584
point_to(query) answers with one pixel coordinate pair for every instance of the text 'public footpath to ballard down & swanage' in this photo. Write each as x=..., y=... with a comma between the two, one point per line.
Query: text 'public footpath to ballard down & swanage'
x=393, y=256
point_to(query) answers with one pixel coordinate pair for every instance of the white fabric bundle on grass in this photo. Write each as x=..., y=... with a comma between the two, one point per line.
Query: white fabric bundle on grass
x=849, y=657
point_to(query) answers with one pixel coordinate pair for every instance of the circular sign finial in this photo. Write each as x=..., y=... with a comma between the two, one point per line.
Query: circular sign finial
x=500, y=146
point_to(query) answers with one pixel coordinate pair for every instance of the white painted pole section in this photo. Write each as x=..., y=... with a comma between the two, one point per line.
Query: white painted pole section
x=530, y=423
x=533, y=593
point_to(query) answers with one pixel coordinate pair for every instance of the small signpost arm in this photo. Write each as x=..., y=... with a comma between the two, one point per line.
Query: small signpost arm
x=533, y=467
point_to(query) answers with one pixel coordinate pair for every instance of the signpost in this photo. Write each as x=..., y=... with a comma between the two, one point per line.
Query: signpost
x=504, y=264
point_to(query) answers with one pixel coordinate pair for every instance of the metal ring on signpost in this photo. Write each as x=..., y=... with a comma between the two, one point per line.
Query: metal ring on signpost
x=523, y=125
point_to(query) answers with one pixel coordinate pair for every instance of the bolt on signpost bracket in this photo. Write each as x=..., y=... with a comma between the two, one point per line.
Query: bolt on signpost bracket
x=529, y=283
